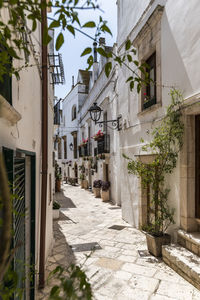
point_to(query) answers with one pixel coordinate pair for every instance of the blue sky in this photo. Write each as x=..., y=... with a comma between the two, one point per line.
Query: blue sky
x=73, y=47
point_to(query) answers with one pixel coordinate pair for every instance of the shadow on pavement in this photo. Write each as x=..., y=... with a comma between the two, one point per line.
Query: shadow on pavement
x=64, y=201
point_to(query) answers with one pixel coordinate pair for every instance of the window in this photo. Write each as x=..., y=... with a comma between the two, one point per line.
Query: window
x=149, y=97
x=148, y=44
x=65, y=147
x=74, y=112
x=75, y=146
x=105, y=120
x=59, y=150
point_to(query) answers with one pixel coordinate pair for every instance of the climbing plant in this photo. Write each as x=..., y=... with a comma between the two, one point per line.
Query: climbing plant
x=166, y=143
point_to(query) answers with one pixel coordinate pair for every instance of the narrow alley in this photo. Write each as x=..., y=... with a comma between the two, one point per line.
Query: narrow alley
x=120, y=267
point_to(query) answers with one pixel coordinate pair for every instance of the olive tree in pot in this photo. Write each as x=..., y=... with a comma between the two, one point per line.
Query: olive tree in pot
x=97, y=188
x=166, y=144
x=105, y=191
x=56, y=210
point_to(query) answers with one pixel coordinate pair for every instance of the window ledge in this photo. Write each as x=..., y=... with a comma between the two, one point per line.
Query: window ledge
x=149, y=109
x=8, y=112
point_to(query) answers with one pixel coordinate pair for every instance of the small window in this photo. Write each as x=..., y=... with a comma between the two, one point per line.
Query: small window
x=149, y=98
x=74, y=112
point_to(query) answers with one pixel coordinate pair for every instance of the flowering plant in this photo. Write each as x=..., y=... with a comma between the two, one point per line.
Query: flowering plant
x=97, y=184
x=105, y=185
x=98, y=135
x=84, y=142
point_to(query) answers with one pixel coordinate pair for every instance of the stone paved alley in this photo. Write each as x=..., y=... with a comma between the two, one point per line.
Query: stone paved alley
x=116, y=271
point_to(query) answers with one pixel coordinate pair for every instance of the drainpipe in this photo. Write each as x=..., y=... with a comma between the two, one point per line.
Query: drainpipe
x=44, y=150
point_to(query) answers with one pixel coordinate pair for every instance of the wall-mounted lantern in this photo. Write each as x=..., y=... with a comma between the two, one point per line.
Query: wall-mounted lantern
x=71, y=146
x=95, y=114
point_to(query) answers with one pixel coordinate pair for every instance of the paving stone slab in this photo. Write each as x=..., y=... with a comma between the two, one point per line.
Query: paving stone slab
x=109, y=263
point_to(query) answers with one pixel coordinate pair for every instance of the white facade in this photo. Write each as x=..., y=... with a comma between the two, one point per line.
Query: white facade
x=97, y=88
x=170, y=29
x=20, y=131
x=169, y=32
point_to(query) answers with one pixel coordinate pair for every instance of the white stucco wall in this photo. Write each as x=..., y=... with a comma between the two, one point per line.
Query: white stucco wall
x=26, y=133
x=179, y=67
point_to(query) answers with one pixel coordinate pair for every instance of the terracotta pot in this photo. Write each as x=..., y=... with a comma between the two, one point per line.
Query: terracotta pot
x=154, y=243
x=85, y=184
x=105, y=195
x=82, y=184
x=97, y=192
x=58, y=185
x=56, y=213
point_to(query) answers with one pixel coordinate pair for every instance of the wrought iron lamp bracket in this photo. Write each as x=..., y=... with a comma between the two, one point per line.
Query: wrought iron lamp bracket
x=114, y=123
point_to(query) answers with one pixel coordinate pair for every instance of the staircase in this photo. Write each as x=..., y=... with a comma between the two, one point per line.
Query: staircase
x=184, y=257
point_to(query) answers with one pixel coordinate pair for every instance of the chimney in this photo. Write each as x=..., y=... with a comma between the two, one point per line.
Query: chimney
x=102, y=41
x=95, y=51
x=95, y=64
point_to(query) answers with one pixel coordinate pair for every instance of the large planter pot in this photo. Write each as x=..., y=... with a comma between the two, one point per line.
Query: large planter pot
x=82, y=184
x=85, y=184
x=154, y=243
x=58, y=185
x=97, y=192
x=105, y=195
x=56, y=214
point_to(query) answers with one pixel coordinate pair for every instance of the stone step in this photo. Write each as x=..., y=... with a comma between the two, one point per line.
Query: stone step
x=184, y=262
x=189, y=240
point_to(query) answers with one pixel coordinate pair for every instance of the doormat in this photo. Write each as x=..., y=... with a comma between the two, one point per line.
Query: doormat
x=117, y=227
x=144, y=253
x=85, y=247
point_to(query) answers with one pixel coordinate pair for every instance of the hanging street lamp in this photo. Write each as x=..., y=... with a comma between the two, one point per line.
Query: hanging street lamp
x=95, y=114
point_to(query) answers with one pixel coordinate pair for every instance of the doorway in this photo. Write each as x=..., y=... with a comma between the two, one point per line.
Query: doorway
x=197, y=166
x=20, y=167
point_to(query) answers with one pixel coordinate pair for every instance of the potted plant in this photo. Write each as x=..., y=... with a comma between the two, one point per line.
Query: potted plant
x=56, y=210
x=85, y=184
x=166, y=143
x=82, y=177
x=97, y=188
x=98, y=136
x=105, y=191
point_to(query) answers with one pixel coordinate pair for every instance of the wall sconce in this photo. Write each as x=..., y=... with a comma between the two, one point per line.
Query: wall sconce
x=71, y=146
x=95, y=114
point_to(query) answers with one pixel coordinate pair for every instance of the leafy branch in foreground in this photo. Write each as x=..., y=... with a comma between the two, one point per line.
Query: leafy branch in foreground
x=72, y=284
x=167, y=140
x=21, y=19
x=139, y=75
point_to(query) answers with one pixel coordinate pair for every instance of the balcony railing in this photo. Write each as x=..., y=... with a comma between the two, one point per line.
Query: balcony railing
x=103, y=145
x=85, y=150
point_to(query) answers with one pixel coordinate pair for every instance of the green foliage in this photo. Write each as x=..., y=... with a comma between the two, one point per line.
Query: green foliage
x=73, y=284
x=166, y=143
x=24, y=19
x=56, y=205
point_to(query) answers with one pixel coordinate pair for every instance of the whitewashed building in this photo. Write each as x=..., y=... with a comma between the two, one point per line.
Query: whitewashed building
x=21, y=119
x=94, y=157
x=164, y=33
